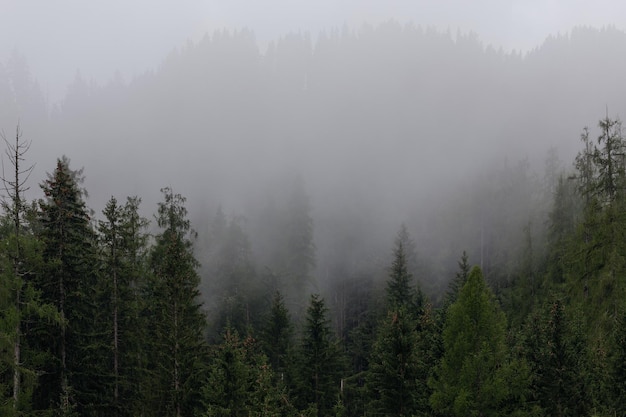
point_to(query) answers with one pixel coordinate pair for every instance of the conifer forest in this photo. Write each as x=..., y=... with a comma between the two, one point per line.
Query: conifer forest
x=388, y=220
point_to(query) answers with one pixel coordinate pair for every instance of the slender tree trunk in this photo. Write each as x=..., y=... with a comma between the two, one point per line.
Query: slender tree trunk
x=16, y=358
x=115, y=337
x=176, y=364
x=16, y=188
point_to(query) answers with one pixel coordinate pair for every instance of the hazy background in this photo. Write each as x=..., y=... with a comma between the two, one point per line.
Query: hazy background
x=453, y=117
x=99, y=38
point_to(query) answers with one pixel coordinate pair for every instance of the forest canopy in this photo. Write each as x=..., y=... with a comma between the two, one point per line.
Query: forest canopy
x=367, y=224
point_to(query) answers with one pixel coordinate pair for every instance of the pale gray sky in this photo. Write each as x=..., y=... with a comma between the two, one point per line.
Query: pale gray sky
x=99, y=37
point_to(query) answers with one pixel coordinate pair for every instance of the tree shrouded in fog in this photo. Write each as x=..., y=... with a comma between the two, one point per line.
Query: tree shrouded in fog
x=176, y=347
x=102, y=316
x=319, y=362
x=69, y=282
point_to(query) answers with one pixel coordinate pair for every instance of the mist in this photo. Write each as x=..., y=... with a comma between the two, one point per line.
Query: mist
x=376, y=124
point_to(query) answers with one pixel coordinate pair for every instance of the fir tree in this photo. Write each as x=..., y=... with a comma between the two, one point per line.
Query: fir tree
x=177, y=346
x=556, y=353
x=395, y=366
x=277, y=337
x=319, y=366
x=240, y=382
x=19, y=262
x=400, y=292
x=122, y=244
x=71, y=381
x=458, y=282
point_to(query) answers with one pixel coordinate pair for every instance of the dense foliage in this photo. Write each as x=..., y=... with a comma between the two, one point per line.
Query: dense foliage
x=102, y=318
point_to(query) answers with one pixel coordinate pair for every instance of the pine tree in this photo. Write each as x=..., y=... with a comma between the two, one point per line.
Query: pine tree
x=122, y=243
x=19, y=262
x=556, y=352
x=617, y=381
x=277, y=337
x=71, y=381
x=240, y=382
x=319, y=364
x=395, y=366
x=177, y=324
x=454, y=287
x=235, y=286
x=400, y=292
x=593, y=260
x=473, y=377
x=561, y=228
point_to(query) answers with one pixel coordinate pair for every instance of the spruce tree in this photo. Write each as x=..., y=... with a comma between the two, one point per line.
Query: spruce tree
x=234, y=284
x=122, y=242
x=556, y=353
x=240, y=382
x=177, y=323
x=277, y=337
x=319, y=362
x=617, y=381
x=395, y=366
x=20, y=261
x=400, y=292
x=454, y=287
x=72, y=380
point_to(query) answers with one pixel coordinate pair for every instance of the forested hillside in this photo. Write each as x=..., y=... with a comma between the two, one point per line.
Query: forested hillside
x=391, y=221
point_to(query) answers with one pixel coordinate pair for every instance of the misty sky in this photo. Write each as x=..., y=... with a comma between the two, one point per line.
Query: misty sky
x=98, y=38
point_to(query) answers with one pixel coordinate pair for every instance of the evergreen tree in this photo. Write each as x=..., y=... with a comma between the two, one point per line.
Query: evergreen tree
x=19, y=262
x=177, y=346
x=240, y=382
x=291, y=257
x=122, y=243
x=235, y=287
x=319, y=365
x=71, y=382
x=226, y=392
x=561, y=228
x=454, y=287
x=395, y=367
x=400, y=292
x=299, y=249
x=617, y=380
x=595, y=260
x=475, y=376
x=556, y=352
x=277, y=337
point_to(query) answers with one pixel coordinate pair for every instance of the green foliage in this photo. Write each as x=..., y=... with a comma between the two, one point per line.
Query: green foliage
x=319, y=362
x=561, y=228
x=617, y=379
x=400, y=291
x=240, y=382
x=454, y=287
x=176, y=347
x=597, y=258
x=277, y=337
x=473, y=377
x=70, y=280
x=556, y=353
x=122, y=244
x=395, y=366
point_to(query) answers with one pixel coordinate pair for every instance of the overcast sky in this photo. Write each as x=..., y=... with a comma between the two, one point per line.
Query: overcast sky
x=97, y=38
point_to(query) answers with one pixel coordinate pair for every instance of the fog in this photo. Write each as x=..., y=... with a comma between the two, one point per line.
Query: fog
x=370, y=124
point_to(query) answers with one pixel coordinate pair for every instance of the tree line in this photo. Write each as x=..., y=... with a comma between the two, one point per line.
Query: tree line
x=102, y=315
